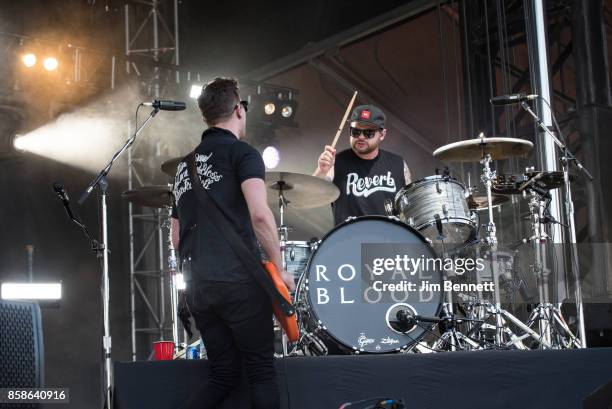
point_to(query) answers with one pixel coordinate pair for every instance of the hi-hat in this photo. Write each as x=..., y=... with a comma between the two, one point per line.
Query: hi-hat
x=473, y=150
x=300, y=191
x=157, y=196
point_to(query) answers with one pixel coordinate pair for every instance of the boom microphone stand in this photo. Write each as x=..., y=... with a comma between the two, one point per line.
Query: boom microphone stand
x=566, y=158
x=102, y=183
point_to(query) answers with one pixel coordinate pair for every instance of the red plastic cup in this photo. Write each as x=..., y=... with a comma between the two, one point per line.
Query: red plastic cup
x=164, y=350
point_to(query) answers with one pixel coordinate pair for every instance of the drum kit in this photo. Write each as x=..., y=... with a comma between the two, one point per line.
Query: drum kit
x=340, y=307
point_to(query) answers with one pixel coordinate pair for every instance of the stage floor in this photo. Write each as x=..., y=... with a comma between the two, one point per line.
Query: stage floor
x=479, y=379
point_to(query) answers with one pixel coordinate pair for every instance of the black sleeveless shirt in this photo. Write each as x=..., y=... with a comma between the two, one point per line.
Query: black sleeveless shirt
x=365, y=184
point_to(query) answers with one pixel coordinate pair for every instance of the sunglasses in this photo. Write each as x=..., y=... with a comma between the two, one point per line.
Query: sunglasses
x=245, y=105
x=367, y=133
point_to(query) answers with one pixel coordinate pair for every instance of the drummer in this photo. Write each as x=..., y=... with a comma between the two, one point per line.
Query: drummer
x=366, y=175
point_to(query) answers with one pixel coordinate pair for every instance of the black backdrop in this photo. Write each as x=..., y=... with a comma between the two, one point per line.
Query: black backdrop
x=32, y=214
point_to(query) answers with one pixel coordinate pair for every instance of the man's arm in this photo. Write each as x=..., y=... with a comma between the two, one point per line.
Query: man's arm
x=325, y=165
x=264, y=225
x=407, y=176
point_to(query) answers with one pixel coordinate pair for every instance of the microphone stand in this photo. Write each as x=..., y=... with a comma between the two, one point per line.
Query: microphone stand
x=102, y=183
x=566, y=158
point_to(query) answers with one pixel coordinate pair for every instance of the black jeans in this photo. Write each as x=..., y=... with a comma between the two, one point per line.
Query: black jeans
x=235, y=320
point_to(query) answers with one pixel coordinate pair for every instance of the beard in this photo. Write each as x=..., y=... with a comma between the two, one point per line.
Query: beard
x=364, y=149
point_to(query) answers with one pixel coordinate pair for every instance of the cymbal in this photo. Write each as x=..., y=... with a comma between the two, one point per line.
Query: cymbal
x=472, y=150
x=169, y=166
x=150, y=196
x=480, y=202
x=301, y=191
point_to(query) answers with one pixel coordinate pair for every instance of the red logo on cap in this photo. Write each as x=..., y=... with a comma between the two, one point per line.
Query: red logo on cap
x=365, y=114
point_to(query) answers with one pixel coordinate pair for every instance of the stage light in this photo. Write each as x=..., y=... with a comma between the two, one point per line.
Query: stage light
x=271, y=157
x=196, y=90
x=31, y=291
x=287, y=111
x=50, y=63
x=29, y=60
x=20, y=143
x=269, y=108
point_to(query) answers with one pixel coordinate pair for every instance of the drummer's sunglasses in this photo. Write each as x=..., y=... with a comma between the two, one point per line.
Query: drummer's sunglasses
x=367, y=133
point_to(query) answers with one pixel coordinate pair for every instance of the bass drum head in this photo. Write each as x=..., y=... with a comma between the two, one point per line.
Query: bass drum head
x=343, y=302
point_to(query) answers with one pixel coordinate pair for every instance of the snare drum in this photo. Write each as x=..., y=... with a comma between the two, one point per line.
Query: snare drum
x=343, y=310
x=436, y=203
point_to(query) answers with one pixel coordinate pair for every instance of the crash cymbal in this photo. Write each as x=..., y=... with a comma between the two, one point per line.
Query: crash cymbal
x=301, y=191
x=150, y=196
x=169, y=166
x=480, y=202
x=473, y=150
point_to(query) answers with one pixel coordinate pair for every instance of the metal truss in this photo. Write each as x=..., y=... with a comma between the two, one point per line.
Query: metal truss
x=152, y=55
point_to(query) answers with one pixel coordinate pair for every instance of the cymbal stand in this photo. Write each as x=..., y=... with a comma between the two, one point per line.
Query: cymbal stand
x=502, y=331
x=553, y=327
x=174, y=295
x=567, y=158
x=283, y=233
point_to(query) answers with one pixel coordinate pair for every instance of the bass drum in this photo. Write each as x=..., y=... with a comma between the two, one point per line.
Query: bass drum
x=343, y=303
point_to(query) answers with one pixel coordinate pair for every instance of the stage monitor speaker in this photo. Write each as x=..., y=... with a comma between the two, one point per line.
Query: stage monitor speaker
x=21, y=347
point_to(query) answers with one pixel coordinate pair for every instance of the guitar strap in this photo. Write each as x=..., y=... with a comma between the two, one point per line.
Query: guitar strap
x=236, y=243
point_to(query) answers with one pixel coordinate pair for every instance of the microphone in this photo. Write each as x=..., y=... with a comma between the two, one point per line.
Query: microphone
x=512, y=99
x=61, y=192
x=166, y=105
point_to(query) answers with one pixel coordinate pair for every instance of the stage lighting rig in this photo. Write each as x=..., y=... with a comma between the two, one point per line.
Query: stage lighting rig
x=272, y=105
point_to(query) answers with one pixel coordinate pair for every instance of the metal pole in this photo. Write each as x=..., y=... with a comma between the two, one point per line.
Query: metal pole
x=548, y=154
x=127, y=37
x=131, y=238
x=154, y=10
x=162, y=292
x=107, y=342
x=30, y=250
x=176, y=40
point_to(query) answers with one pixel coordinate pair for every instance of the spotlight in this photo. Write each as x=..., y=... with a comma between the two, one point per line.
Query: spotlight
x=31, y=291
x=20, y=143
x=196, y=90
x=269, y=108
x=29, y=60
x=50, y=63
x=287, y=111
x=271, y=157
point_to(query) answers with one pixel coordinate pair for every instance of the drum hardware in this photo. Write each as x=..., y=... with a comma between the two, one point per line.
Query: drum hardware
x=553, y=328
x=485, y=150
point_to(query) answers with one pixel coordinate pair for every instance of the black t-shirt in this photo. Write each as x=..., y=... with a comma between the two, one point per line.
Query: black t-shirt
x=223, y=162
x=365, y=184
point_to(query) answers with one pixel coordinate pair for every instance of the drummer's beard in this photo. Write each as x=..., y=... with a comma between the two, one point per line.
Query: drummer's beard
x=365, y=148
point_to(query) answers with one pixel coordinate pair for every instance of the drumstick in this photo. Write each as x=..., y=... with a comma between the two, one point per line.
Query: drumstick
x=333, y=145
